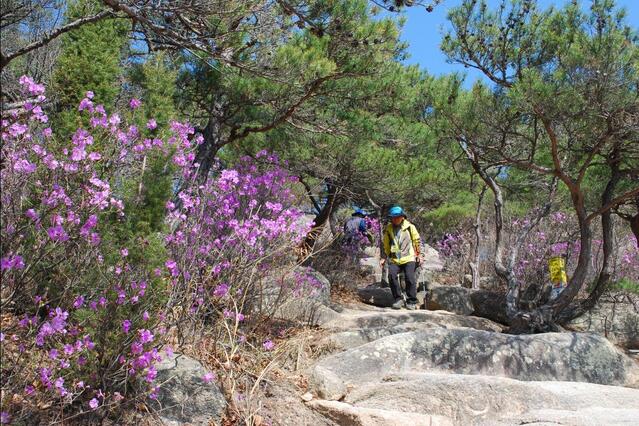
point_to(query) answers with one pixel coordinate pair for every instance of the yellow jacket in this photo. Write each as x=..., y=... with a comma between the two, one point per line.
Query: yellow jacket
x=401, y=244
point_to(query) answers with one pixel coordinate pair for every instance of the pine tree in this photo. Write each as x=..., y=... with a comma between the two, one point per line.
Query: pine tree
x=90, y=60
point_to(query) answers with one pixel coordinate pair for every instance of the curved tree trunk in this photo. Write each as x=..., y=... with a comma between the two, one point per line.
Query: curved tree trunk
x=321, y=218
x=608, y=235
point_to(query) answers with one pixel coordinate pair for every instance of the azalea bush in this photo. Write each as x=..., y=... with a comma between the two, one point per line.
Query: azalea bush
x=81, y=323
x=232, y=265
x=228, y=234
x=88, y=309
x=553, y=236
x=454, y=249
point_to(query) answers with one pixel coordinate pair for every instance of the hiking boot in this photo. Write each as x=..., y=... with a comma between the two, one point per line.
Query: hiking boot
x=398, y=304
x=411, y=306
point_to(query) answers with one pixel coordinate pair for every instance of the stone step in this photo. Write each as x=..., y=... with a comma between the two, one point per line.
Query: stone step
x=348, y=415
x=486, y=400
x=550, y=356
x=371, y=318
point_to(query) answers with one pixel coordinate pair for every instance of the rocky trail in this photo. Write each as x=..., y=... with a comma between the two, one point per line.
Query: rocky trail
x=426, y=367
x=439, y=367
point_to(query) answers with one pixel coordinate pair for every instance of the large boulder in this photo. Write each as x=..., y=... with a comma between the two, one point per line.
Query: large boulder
x=489, y=304
x=355, y=328
x=184, y=396
x=552, y=356
x=301, y=296
x=619, y=322
x=454, y=299
x=355, y=319
x=451, y=299
x=485, y=400
x=382, y=296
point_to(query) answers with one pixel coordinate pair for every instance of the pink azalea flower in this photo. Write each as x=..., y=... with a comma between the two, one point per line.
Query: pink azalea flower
x=208, y=378
x=135, y=103
x=94, y=403
x=268, y=345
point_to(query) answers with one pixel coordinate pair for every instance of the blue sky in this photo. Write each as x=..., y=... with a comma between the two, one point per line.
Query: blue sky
x=423, y=31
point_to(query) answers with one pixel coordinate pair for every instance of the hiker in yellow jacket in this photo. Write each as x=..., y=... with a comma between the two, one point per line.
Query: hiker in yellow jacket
x=401, y=247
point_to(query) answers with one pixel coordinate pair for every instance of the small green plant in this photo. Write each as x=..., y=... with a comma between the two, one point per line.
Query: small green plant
x=626, y=284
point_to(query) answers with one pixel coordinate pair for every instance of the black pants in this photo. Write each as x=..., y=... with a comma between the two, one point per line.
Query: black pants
x=411, y=285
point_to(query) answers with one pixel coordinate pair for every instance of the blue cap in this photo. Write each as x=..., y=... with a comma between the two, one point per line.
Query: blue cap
x=396, y=211
x=359, y=212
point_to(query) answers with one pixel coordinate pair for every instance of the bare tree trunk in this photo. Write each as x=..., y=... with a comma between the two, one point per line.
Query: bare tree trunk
x=502, y=271
x=608, y=235
x=521, y=322
x=585, y=233
x=583, y=264
x=212, y=134
x=321, y=218
x=475, y=264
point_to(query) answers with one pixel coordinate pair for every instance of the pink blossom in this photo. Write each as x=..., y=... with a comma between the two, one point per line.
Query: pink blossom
x=85, y=103
x=94, y=403
x=135, y=103
x=59, y=385
x=95, y=156
x=32, y=214
x=136, y=348
x=33, y=87
x=145, y=336
x=171, y=265
x=208, y=378
x=13, y=261
x=68, y=349
x=79, y=302
x=268, y=345
x=23, y=166
x=169, y=351
x=221, y=290
x=57, y=233
x=151, y=374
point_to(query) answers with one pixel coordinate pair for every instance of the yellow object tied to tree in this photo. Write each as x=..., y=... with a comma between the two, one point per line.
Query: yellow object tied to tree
x=557, y=267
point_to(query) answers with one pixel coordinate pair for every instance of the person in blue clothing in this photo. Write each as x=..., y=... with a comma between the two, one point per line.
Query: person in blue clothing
x=356, y=229
x=401, y=248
